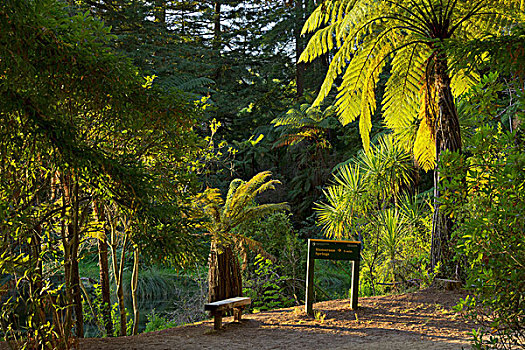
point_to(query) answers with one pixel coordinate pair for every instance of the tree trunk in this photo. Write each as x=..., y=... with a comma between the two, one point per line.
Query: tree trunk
x=103, y=264
x=217, y=25
x=447, y=137
x=68, y=320
x=71, y=243
x=74, y=233
x=224, y=275
x=104, y=286
x=134, y=283
x=118, y=268
x=118, y=271
x=299, y=67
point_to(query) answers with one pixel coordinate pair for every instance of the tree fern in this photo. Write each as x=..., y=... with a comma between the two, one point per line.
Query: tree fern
x=411, y=34
x=222, y=216
x=368, y=34
x=305, y=124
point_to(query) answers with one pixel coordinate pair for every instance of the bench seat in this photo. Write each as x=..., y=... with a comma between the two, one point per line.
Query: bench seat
x=218, y=308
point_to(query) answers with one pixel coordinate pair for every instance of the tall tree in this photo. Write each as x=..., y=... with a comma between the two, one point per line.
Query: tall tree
x=418, y=104
x=79, y=124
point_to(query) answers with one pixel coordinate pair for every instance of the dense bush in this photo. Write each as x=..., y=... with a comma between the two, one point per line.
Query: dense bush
x=267, y=285
x=277, y=237
x=488, y=205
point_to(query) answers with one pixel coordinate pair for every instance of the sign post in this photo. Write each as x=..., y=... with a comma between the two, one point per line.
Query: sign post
x=331, y=250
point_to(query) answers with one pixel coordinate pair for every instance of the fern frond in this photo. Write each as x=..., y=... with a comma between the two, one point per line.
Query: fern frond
x=401, y=98
x=241, y=240
x=425, y=144
x=234, y=185
x=259, y=211
x=336, y=67
x=328, y=11
x=463, y=81
x=369, y=32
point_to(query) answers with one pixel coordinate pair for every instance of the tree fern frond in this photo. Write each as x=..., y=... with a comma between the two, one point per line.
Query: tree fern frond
x=241, y=206
x=209, y=203
x=424, y=145
x=234, y=185
x=463, y=80
x=401, y=98
x=328, y=11
x=411, y=31
x=424, y=150
x=256, y=212
x=336, y=67
x=298, y=118
x=244, y=194
x=253, y=245
x=356, y=94
x=320, y=43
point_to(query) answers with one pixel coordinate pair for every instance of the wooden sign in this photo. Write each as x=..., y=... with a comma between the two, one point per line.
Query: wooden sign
x=335, y=250
x=332, y=250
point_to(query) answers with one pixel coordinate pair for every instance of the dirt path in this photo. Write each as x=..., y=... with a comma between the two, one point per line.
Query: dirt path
x=421, y=320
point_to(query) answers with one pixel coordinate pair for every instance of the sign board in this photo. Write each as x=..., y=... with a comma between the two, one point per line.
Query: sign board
x=335, y=250
x=332, y=250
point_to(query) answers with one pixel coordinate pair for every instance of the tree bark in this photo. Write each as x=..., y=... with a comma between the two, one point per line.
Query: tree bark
x=103, y=264
x=104, y=286
x=134, y=283
x=224, y=275
x=447, y=137
x=74, y=233
x=217, y=25
x=118, y=272
x=300, y=67
x=71, y=242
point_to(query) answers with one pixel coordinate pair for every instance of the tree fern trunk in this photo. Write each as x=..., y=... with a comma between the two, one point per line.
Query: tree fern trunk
x=224, y=275
x=447, y=137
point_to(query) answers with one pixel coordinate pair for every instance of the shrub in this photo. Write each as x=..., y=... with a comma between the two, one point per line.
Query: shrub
x=488, y=205
x=266, y=287
x=157, y=322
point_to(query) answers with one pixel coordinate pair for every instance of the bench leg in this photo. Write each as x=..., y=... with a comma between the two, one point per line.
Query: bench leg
x=217, y=320
x=237, y=314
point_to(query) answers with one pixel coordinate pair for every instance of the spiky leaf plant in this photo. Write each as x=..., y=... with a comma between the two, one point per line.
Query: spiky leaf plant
x=409, y=37
x=372, y=181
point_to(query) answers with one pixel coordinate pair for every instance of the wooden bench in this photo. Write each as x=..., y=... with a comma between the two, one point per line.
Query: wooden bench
x=218, y=308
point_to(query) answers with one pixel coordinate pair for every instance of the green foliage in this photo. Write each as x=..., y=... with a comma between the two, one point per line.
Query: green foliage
x=368, y=36
x=488, y=204
x=157, y=322
x=240, y=206
x=115, y=318
x=278, y=239
x=93, y=314
x=266, y=287
x=333, y=280
x=372, y=181
x=371, y=201
x=80, y=125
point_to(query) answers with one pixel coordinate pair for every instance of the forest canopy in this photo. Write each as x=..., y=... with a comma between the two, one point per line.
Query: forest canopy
x=216, y=137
